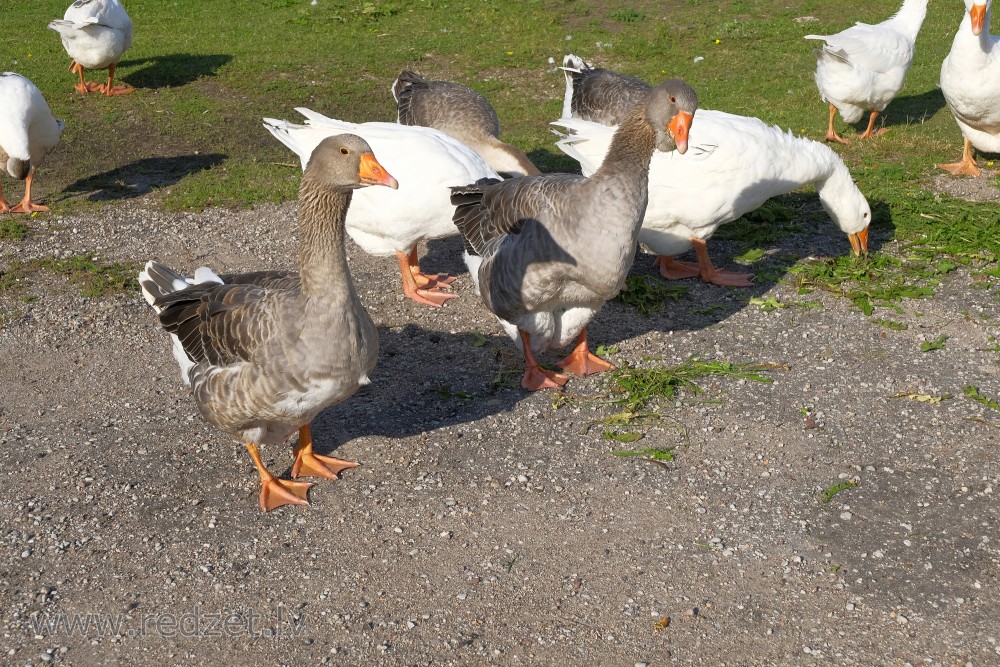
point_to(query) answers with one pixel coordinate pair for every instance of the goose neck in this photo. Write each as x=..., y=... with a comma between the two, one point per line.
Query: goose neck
x=322, y=256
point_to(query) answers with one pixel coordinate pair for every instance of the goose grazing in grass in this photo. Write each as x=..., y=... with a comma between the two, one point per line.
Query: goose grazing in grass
x=461, y=112
x=27, y=133
x=383, y=223
x=265, y=352
x=599, y=95
x=734, y=165
x=862, y=68
x=546, y=252
x=970, y=81
x=95, y=34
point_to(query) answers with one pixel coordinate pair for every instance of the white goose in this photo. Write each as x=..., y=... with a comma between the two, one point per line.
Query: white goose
x=863, y=68
x=27, y=133
x=426, y=162
x=734, y=165
x=95, y=34
x=970, y=81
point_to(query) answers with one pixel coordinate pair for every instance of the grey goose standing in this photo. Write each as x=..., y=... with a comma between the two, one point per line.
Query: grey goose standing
x=265, y=352
x=461, y=112
x=546, y=252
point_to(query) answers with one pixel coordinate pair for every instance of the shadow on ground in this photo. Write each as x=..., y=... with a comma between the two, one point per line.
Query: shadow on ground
x=909, y=109
x=140, y=177
x=176, y=69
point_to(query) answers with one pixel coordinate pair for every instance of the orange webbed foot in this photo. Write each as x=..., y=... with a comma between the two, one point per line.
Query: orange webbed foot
x=277, y=492
x=309, y=464
x=536, y=377
x=961, y=168
x=673, y=269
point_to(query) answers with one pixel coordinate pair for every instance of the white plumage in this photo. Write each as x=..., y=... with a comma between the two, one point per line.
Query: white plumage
x=970, y=81
x=734, y=164
x=863, y=68
x=28, y=132
x=426, y=163
x=95, y=34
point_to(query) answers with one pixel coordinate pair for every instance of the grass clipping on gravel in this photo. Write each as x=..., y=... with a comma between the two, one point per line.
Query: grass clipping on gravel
x=638, y=391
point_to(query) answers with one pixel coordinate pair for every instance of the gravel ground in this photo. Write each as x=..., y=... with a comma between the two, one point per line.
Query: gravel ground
x=497, y=528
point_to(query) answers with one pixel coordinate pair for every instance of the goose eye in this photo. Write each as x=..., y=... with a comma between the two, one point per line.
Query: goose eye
x=866, y=216
x=673, y=100
x=344, y=151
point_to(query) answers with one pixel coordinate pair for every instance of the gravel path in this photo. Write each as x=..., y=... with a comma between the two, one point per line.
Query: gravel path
x=488, y=525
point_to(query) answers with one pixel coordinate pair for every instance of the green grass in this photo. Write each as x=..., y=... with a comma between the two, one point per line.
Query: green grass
x=636, y=388
x=12, y=228
x=648, y=295
x=973, y=392
x=651, y=453
x=827, y=494
x=94, y=277
x=932, y=345
x=206, y=72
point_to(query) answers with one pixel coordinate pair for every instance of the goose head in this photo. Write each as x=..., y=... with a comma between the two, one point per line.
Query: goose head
x=670, y=109
x=978, y=9
x=847, y=207
x=346, y=161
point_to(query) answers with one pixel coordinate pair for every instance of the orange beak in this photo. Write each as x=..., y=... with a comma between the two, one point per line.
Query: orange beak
x=372, y=173
x=859, y=242
x=679, y=126
x=978, y=15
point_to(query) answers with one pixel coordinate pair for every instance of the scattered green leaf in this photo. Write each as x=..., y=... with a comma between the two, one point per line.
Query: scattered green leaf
x=829, y=492
x=973, y=392
x=931, y=345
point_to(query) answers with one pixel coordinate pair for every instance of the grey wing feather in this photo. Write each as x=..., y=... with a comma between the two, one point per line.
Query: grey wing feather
x=489, y=212
x=281, y=280
x=402, y=90
x=218, y=324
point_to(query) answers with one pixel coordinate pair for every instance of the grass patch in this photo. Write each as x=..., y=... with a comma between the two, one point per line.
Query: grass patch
x=637, y=388
x=94, y=277
x=648, y=295
x=932, y=345
x=651, y=453
x=12, y=228
x=973, y=392
x=827, y=494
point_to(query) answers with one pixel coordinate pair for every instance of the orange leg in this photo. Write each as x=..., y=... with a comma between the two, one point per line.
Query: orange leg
x=308, y=464
x=26, y=205
x=964, y=167
x=831, y=134
x=110, y=89
x=276, y=492
x=430, y=295
x=581, y=362
x=712, y=275
x=83, y=87
x=441, y=280
x=536, y=377
x=868, y=134
x=4, y=205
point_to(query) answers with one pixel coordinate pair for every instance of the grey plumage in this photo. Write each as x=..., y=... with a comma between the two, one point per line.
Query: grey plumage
x=461, y=112
x=265, y=352
x=600, y=95
x=553, y=243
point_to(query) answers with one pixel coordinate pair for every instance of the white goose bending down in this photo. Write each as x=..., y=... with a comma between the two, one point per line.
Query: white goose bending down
x=265, y=352
x=546, y=252
x=383, y=223
x=461, y=112
x=95, y=34
x=970, y=81
x=27, y=133
x=599, y=95
x=734, y=165
x=862, y=68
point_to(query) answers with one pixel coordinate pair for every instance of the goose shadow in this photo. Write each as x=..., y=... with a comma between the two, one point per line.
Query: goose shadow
x=788, y=229
x=175, y=69
x=140, y=177
x=909, y=109
x=425, y=380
